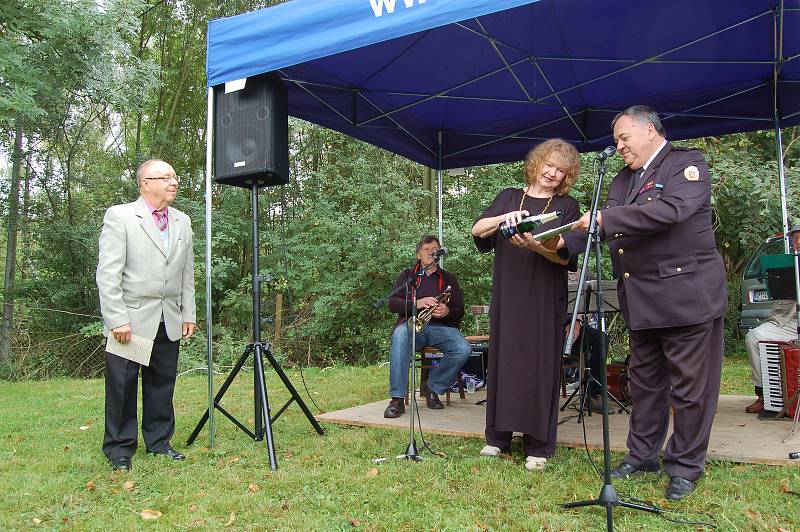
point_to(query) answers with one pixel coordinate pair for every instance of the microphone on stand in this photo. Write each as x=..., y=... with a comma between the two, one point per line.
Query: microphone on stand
x=608, y=152
x=439, y=253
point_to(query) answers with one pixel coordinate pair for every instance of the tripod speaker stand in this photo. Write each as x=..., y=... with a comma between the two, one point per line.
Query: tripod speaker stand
x=259, y=350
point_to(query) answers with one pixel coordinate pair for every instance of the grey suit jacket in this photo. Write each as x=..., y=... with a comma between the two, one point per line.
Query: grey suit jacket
x=137, y=280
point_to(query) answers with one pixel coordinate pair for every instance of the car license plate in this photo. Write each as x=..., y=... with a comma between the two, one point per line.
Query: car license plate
x=760, y=296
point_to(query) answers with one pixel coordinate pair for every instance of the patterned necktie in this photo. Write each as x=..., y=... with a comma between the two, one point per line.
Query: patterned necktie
x=160, y=217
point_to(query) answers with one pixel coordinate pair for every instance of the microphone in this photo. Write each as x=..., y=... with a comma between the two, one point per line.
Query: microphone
x=439, y=253
x=608, y=152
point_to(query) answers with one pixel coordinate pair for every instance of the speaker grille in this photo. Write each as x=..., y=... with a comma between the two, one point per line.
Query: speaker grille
x=251, y=141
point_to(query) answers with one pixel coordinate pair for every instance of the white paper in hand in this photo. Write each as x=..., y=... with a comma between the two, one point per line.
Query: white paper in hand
x=138, y=349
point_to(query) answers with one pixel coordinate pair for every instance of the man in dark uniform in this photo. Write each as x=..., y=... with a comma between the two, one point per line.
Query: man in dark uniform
x=672, y=288
x=440, y=332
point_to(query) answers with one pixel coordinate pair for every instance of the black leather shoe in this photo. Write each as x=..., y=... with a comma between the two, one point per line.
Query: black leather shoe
x=121, y=463
x=626, y=470
x=432, y=400
x=395, y=409
x=679, y=488
x=170, y=453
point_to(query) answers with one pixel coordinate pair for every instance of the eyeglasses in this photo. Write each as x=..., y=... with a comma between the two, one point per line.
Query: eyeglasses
x=164, y=179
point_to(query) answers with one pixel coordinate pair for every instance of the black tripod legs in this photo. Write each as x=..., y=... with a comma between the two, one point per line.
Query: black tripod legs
x=295, y=395
x=608, y=499
x=218, y=398
x=263, y=419
x=262, y=406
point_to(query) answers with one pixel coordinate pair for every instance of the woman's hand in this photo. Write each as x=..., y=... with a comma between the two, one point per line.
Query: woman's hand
x=526, y=241
x=514, y=217
x=488, y=226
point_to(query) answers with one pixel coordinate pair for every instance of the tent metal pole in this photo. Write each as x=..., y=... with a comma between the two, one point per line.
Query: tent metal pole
x=209, y=344
x=439, y=185
x=778, y=28
x=782, y=181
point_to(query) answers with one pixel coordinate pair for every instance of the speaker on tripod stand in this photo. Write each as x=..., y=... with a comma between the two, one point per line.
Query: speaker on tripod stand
x=251, y=127
x=251, y=150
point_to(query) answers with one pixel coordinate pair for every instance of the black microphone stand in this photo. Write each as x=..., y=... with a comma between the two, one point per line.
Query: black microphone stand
x=410, y=285
x=608, y=494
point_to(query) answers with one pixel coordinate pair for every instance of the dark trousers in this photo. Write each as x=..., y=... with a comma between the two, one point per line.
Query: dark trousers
x=530, y=445
x=158, y=386
x=678, y=367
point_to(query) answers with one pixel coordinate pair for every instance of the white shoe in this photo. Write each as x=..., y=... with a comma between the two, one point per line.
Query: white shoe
x=490, y=450
x=535, y=463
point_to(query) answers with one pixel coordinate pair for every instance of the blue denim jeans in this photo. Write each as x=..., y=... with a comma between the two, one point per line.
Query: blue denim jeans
x=454, y=347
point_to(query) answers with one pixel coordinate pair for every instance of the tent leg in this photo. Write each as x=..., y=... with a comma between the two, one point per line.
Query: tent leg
x=439, y=187
x=209, y=345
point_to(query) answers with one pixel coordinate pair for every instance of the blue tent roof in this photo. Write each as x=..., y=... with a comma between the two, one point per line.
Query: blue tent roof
x=494, y=77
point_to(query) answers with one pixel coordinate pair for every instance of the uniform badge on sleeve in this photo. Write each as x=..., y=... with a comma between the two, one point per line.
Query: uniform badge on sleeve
x=691, y=173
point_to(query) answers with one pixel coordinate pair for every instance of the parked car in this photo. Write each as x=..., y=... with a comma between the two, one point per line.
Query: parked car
x=755, y=301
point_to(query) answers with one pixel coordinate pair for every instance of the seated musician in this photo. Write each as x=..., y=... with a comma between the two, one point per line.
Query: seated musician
x=440, y=331
x=781, y=326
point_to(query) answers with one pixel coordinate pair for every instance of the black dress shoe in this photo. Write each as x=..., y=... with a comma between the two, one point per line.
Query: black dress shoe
x=121, y=463
x=395, y=409
x=171, y=453
x=679, y=488
x=432, y=400
x=626, y=470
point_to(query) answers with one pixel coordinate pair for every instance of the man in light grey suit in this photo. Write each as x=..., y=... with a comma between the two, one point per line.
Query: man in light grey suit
x=145, y=278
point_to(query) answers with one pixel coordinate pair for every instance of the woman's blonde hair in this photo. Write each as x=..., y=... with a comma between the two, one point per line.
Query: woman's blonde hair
x=570, y=162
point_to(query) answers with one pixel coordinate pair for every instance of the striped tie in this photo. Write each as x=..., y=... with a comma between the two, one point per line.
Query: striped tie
x=160, y=217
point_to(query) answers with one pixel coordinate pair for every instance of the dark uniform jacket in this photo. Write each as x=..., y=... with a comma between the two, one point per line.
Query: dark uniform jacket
x=662, y=243
x=429, y=285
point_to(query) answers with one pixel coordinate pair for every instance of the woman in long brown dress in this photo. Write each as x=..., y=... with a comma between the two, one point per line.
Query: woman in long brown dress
x=528, y=307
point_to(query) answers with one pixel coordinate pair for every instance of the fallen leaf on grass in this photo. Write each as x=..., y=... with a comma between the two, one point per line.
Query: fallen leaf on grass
x=231, y=519
x=285, y=505
x=116, y=491
x=373, y=472
x=149, y=515
x=192, y=508
x=751, y=514
x=252, y=488
x=354, y=522
x=37, y=521
x=90, y=485
x=129, y=485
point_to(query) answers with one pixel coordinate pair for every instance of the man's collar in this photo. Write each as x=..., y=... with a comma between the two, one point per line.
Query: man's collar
x=151, y=208
x=653, y=156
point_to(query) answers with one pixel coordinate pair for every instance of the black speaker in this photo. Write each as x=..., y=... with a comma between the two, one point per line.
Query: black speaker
x=251, y=133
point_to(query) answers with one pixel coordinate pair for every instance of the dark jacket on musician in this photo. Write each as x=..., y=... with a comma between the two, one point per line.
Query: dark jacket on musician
x=428, y=285
x=662, y=243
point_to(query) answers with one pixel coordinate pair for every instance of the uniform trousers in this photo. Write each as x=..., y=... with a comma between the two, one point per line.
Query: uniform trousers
x=677, y=367
x=158, y=386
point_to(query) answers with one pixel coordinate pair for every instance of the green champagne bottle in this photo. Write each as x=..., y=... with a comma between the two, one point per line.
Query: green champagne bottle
x=528, y=224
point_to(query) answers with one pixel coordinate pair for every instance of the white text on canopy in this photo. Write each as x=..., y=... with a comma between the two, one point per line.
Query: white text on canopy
x=378, y=5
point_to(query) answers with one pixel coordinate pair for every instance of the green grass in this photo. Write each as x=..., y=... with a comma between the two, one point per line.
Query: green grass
x=53, y=475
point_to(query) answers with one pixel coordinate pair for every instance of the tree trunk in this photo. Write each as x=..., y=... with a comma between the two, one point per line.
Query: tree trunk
x=11, y=250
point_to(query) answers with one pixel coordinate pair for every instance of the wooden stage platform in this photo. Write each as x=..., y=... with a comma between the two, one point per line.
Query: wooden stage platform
x=736, y=436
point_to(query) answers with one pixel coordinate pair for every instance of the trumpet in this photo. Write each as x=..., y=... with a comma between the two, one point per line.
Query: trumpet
x=425, y=316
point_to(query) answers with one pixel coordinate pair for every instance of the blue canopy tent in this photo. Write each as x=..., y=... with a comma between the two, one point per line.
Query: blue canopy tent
x=453, y=83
